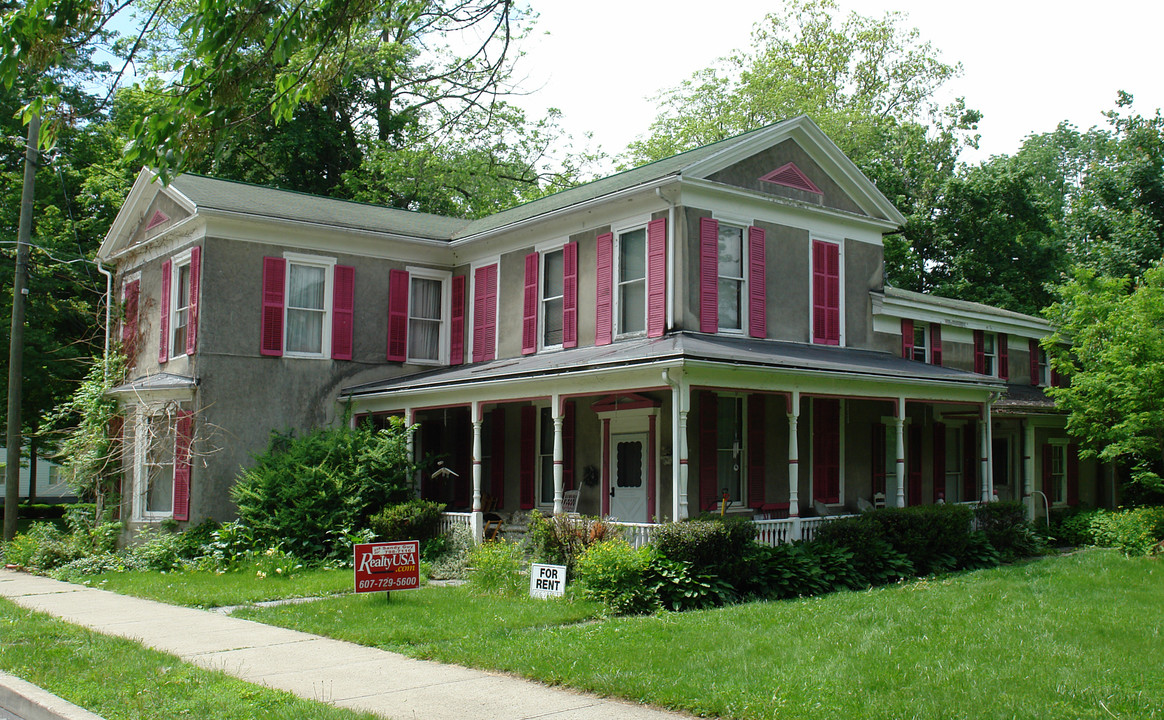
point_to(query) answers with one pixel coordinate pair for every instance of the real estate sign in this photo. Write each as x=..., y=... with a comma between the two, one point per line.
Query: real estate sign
x=547, y=580
x=381, y=567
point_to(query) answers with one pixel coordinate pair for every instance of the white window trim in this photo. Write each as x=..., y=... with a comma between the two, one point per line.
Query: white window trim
x=140, y=473
x=328, y=263
x=542, y=251
x=744, y=449
x=1043, y=364
x=471, y=315
x=539, y=502
x=177, y=262
x=840, y=243
x=616, y=268
x=445, y=277
x=994, y=356
x=928, y=337
x=1059, y=445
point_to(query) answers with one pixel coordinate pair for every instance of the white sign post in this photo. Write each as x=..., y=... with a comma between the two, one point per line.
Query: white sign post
x=547, y=580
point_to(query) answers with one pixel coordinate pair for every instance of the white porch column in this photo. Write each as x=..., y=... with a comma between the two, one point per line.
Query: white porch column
x=793, y=456
x=1029, y=467
x=899, y=469
x=477, y=520
x=410, y=447
x=984, y=439
x=989, y=456
x=682, y=443
x=559, y=453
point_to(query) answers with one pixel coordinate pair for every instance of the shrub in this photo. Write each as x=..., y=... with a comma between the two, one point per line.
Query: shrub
x=43, y=547
x=413, y=519
x=155, y=550
x=302, y=488
x=453, y=563
x=835, y=567
x=1139, y=531
x=874, y=559
x=710, y=546
x=275, y=563
x=1073, y=525
x=933, y=537
x=785, y=571
x=560, y=539
x=678, y=587
x=615, y=574
x=497, y=568
x=83, y=567
x=979, y=553
x=1006, y=528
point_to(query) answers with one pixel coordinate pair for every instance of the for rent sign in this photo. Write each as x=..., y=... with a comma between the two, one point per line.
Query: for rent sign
x=387, y=566
x=547, y=580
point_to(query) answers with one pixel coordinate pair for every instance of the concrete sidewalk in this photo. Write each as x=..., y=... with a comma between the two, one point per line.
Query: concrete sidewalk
x=310, y=666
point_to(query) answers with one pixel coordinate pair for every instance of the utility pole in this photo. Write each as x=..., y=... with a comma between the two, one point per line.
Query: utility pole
x=16, y=337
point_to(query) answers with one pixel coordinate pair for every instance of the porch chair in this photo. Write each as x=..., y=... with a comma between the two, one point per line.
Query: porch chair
x=570, y=502
x=493, y=523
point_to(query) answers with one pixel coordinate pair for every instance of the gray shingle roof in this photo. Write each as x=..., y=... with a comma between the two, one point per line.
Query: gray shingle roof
x=686, y=346
x=231, y=196
x=958, y=305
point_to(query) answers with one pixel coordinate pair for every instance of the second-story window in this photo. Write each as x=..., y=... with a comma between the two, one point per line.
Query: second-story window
x=180, y=308
x=307, y=308
x=731, y=277
x=425, y=317
x=631, y=294
x=553, y=298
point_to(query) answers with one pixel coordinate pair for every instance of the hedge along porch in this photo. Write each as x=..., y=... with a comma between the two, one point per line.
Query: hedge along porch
x=748, y=415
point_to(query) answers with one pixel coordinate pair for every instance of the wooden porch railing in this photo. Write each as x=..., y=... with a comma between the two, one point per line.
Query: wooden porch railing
x=768, y=532
x=449, y=520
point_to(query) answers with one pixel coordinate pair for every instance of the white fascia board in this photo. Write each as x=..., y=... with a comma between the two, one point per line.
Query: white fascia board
x=188, y=231
x=297, y=234
x=782, y=211
x=964, y=318
x=141, y=194
x=821, y=149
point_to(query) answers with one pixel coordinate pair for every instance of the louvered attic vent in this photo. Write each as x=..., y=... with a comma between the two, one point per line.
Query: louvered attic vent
x=158, y=218
x=791, y=176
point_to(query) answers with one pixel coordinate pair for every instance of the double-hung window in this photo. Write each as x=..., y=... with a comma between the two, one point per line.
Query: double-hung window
x=179, y=304
x=161, y=439
x=419, y=307
x=990, y=354
x=731, y=280
x=307, y=307
x=631, y=290
x=1057, y=472
x=549, y=318
x=553, y=298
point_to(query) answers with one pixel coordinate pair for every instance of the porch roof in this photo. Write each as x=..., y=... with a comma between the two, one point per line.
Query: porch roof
x=683, y=347
x=1021, y=399
x=157, y=382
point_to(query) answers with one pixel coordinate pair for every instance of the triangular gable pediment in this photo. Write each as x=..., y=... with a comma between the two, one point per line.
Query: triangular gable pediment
x=796, y=160
x=149, y=210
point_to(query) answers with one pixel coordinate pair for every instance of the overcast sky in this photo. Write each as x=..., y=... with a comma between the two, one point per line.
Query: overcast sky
x=1027, y=64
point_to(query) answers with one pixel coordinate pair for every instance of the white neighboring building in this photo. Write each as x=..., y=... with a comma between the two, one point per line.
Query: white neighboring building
x=51, y=485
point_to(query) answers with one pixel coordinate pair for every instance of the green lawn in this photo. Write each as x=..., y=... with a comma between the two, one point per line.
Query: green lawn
x=208, y=589
x=119, y=679
x=1079, y=636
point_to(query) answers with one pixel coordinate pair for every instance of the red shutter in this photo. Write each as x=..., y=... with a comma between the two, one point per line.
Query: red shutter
x=529, y=312
x=939, y=461
x=970, y=490
x=1072, y=474
x=1047, y=468
x=757, y=284
x=274, y=281
x=497, y=457
x=756, y=436
x=343, y=309
x=484, y=313
x=879, y=458
x=936, y=344
x=457, y=323
x=529, y=446
x=164, y=311
x=915, y=465
x=604, y=302
x=907, y=339
x=826, y=293
x=1003, y=356
x=708, y=275
x=708, y=436
x=184, y=433
x=568, y=446
x=980, y=352
x=570, y=295
x=129, y=323
x=192, y=313
x=1033, y=349
x=656, y=277
x=826, y=455
x=397, y=315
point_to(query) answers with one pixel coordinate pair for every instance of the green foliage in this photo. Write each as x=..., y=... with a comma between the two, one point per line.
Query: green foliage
x=1006, y=528
x=453, y=561
x=302, y=489
x=414, y=519
x=560, y=539
x=979, y=553
x=275, y=563
x=1072, y=526
x=836, y=565
x=786, y=571
x=1137, y=531
x=932, y=537
x=498, y=568
x=874, y=558
x=156, y=550
x=44, y=547
x=710, y=545
x=89, y=565
x=616, y=574
x=1109, y=340
x=678, y=586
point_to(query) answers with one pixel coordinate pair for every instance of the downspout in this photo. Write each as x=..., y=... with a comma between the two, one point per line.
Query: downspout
x=670, y=259
x=108, y=314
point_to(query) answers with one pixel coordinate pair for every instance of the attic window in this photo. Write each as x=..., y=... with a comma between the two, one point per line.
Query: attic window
x=791, y=176
x=158, y=218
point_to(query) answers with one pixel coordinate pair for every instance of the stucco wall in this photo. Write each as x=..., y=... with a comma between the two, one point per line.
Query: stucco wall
x=747, y=174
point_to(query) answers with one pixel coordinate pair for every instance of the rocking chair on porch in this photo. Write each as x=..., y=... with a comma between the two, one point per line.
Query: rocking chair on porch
x=493, y=523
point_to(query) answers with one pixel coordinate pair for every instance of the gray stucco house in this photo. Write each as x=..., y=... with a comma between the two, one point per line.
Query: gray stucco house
x=707, y=329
